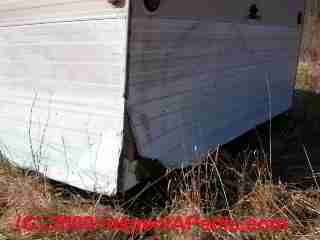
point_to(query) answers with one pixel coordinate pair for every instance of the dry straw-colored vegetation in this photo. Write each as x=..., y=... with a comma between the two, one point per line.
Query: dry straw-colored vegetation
x=219, y=186
x=222, y=185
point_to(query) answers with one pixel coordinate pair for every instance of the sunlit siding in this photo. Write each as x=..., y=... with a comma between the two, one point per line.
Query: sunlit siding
x=62, y=84
x=27, y=11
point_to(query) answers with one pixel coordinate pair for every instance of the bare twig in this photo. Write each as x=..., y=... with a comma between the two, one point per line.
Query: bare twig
x=270, y=125
x=33, y=154
x=310, y=166
x=219, y=176
x=44, y=133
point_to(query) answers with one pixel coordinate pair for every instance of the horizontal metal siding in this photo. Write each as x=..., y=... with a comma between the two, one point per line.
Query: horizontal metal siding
x=276, y=13
x=196, y=83
x=27, y=12
x=62, y=86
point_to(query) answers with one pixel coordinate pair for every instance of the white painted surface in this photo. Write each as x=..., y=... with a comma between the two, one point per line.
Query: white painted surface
x=196, y=82
x=20, y=12
x=62, y=85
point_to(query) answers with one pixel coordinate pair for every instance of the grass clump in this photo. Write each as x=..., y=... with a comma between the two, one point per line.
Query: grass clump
x=220, y=186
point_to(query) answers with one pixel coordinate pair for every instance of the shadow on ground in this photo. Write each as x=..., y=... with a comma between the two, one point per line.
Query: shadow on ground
x=295, y=139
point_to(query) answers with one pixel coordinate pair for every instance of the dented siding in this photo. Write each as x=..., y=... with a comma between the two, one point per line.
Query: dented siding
x=201, y=73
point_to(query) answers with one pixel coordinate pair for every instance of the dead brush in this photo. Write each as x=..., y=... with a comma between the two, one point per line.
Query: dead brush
x=207, y=189
x=19, y=195
x=268, y=201
x=220, y=178
x=25, y=195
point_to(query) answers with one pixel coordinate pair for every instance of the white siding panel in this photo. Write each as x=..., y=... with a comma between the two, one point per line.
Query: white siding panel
x=62, y=87
x=194, y=84
x=30, y=12
x=56, y=34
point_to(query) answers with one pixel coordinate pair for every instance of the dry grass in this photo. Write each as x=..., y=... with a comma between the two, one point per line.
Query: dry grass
x=199, y=191
x=23, y=194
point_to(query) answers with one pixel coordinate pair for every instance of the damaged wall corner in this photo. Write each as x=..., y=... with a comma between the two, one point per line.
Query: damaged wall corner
x=134, y=168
